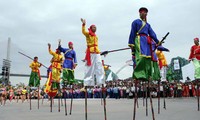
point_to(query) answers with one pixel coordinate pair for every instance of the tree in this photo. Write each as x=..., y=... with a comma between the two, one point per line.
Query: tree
x=174, y=71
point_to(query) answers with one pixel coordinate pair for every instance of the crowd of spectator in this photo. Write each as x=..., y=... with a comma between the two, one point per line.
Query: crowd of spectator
x=119, y=89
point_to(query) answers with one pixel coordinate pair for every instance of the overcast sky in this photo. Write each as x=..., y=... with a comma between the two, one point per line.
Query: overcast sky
x=31, y=24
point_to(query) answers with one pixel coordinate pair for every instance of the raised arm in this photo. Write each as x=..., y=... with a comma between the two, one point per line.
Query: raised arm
x=59, y=46
x=83, y=27
x=59, y=42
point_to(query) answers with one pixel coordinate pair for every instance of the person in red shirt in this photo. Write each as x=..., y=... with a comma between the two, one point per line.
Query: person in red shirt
x=187, y=90
x=193, y=90
x=195, y=57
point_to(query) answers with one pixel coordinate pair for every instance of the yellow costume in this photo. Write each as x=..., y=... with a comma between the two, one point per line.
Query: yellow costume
x=163, y=64
x=56, y=66
x=35, y=74
x=92, y=41
x=94, y=65
x=161, y=58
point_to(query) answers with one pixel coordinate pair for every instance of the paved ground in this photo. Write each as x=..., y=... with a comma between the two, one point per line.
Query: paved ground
x=177, y=109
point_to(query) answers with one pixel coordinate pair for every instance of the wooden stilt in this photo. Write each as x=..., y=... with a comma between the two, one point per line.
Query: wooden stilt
x=104, y=101
x=101, y=96
x=198, y=95
x=135, y=101
x=143, y=92
x=59, y=97
x=42, y=99
x=72, y=87
x=29, y=98
x=38, y=97
x=85, y=102
x=146, y=92
x=152, y=110
x=59, y=102
x=158, y=96
x=65, y=104
x=51, y=104
x=164, y=95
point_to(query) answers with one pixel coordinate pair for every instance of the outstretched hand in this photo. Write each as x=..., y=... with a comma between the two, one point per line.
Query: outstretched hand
x=74, y=66
x=83, y=21
x=104, y=53
x=161, y=42
x=49, y=45
x=59, y=42
x=41, y=64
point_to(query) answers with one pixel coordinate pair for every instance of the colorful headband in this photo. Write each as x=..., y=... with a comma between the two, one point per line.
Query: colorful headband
x=196, y=39
x=70, y=43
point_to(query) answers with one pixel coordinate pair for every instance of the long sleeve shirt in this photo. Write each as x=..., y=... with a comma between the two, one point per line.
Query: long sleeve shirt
x=35, y=66
x=70, y=57
x=195, y=52
x=146, y=30
x=56, y=60
x=92, y=41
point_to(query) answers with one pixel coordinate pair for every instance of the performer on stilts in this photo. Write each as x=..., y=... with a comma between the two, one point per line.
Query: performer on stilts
x=156, y=75
x=94, y=67
x=35, y=77
x=56, y=65
x=195, y=58
x=163, y=72
x=162, y=64
x=69, y=65
x=53, y=83
x=139, y=42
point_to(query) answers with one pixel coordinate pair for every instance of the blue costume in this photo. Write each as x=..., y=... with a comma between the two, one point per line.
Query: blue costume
x=142, y=35
x=70, y=57
x=68, y=64
x=141, y=43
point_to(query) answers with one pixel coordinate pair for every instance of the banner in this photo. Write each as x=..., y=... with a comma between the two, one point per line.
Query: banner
x=176, y=64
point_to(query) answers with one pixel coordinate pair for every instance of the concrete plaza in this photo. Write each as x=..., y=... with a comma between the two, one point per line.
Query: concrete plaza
x=120, y=109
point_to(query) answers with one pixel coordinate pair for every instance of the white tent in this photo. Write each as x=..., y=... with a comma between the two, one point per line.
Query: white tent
x=188, y=71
